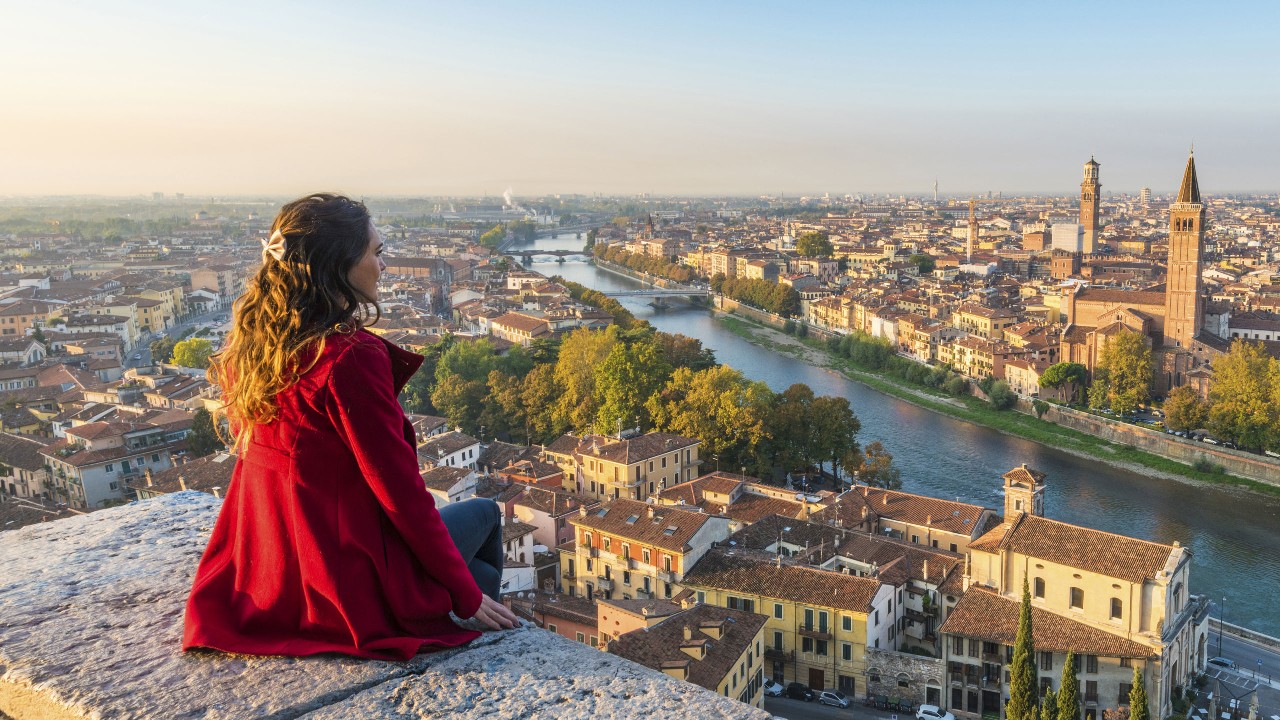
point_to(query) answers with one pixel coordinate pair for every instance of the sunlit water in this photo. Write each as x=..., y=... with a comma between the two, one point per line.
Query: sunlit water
x=1234, y=536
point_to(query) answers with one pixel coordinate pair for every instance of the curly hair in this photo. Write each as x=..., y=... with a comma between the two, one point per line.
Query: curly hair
x=299, y=297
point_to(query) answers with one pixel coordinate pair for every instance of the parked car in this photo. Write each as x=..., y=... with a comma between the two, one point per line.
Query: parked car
x=772, y=689
x=832, y=697
x=933, y=712
x=800, y=691
x=1222, y=662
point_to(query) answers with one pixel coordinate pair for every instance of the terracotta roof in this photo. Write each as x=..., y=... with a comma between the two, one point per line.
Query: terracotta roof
x=912, y=557
x=439, y=446
x=512, y=529
x=668, y=527
x=21, y=451
x=444, y=477
x=550, y=500
x=757, y=573
x=1025, y=476
x=633, y=450
x=662, y=645
x=1096, y=551
x=202, y=474
x=1121, y=297
x=944, y=515
x=986, y=615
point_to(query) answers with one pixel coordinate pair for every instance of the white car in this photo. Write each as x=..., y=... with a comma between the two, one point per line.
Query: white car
x=772, y=689
x=831, y=697
x=933, y=712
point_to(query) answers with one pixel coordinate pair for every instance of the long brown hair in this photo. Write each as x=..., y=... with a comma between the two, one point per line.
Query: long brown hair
x=299, y=297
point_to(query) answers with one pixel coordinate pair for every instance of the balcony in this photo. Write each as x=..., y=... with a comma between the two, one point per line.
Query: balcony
x=993, y=658
x=1091, y=697
x=778, y=654
x=568, y=574
x=820, y=632
x=604, y=583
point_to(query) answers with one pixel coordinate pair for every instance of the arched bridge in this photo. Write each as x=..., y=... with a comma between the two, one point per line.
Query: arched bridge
x=659, y=293
x=528, y=255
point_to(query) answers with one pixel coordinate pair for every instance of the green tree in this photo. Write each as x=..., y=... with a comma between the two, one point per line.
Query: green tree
x=628, y=377
x=1049, y=705
x=38, y=335
x=1185, y=410
x=1002, y=396
x=876, y=468
x=193, y=353
x=505, y=412
x=471, y=360
x=1126, y=357
x=1138, y=707
x=575, y=374
x=1068, y=374
x=684, y=351
x=1022, y=671
x=1099, y=389
x=1241, y=408
x=203, y=438
x=162, y=349
x=461, y=401
x=814, y=244
x=720, y=407
x=1069, y=692
x=925, y=263
x=837, y=427
x=540, y=393
x=494, y=237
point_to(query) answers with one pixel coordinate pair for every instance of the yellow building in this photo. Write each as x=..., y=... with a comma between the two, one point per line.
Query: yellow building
x=1117, y=601
x=819, y=623
x=607, y=468
x=983, y=321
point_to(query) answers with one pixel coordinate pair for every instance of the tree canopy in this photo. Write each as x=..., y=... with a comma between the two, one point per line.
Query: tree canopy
x=193, y=353
x=1022, y=671
x=1128, y=365
x=1246, y=386
x=814, y=244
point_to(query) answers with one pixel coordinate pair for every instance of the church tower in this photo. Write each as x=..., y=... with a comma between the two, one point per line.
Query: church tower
x=972, y=238
x=1183, y=302
x=1023, y=493
x=1090, y=193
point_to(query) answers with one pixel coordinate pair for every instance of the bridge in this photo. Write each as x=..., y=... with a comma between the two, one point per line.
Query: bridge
x=659, y=293
x=528, y=255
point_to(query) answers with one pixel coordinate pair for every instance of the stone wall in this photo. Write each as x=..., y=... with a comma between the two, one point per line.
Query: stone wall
x=918, y=671
x=1235, y=462
x=91, y=621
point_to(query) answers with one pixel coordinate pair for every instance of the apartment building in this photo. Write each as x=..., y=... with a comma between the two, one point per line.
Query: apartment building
x=605, y=467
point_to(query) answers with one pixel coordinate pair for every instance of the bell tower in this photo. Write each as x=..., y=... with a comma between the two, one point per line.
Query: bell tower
x=1183, y=301
x=1023, y=493
x=1090, y=192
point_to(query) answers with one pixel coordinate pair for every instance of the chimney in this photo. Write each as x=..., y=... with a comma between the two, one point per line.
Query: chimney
x=650, y=511
x=688, y=634
x=182, y=482
x=147, y=473
x=582, y=511
x=217, y=491
x=925, y=572
x=885, y=498
x=928, y=520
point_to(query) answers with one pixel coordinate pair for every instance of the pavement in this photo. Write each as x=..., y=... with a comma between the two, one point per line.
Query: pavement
x=800, y=710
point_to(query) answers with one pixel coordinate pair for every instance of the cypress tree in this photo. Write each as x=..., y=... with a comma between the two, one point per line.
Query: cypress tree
x=1022, y=673
x=1138, y=697
x=1049, y=706
x=1069, y=693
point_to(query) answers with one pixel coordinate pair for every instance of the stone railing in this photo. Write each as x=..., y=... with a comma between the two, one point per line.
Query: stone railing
x=91, y=621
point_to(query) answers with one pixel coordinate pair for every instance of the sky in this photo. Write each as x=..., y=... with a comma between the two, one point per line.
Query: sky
x=741, y=98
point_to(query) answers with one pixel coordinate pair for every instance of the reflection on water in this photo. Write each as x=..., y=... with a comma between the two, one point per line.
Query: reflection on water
x=1230, y=533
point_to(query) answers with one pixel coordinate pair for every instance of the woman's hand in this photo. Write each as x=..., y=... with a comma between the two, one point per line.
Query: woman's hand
x=495, y=615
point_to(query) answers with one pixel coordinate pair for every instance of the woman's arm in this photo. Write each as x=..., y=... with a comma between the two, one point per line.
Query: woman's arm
x=363, y=408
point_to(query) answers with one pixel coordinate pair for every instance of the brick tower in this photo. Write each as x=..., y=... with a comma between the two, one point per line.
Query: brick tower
x=1183, y=302
x=1090, y=192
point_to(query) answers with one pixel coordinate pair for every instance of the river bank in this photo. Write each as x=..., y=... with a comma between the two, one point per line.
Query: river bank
x=976, y=411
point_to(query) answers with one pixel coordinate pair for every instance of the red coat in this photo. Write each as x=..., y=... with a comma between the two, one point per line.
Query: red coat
x=328, y=540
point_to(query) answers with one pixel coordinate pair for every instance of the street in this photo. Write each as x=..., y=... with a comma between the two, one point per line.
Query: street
x=800, y=710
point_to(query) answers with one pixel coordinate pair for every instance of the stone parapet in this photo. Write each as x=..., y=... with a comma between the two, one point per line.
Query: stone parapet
x=91, y=622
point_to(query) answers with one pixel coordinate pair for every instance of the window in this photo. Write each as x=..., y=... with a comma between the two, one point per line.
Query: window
x=806, y=645
x=608, y=543
x=1046, y=684
x=1117, y=608
x=644, y=554
x=1039, y=591
x=1091, y=691
x=626, y=551
x=821, y=648
x=777, y=610
x=957, y=646
x=808, y=617
x=846, y=652
x=1123, y=698
x=846, y=623
x=1091, y=663
x=974, y=646
x=1046, y=661
x=822, y=621
x=626, y=577
x=586, y=539
x=777, y=639
x=580, y=637
x=1126, y=662
x=1077, y=599
x=551, y=627
x=110, y=468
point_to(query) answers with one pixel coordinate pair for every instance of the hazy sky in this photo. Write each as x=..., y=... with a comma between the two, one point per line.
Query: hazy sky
x=419, y=98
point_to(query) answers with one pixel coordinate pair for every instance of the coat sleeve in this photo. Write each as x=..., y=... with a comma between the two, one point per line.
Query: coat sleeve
x=363, y=408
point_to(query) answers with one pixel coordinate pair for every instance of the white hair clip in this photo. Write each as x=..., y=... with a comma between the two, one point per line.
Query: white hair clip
x=274, y=247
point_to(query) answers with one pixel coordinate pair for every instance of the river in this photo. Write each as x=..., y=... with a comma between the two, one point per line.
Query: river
x=1234, y=535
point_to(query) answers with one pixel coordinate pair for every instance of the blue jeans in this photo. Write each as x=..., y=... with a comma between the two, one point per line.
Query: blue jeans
x=476, y=528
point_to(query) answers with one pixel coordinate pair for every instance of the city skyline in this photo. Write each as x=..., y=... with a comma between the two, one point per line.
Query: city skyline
x=400, y=100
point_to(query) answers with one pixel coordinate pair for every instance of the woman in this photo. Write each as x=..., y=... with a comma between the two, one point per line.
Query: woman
x=328, y=541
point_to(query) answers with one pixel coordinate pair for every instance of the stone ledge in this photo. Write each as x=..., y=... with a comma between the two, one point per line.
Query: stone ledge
x=91, y=622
